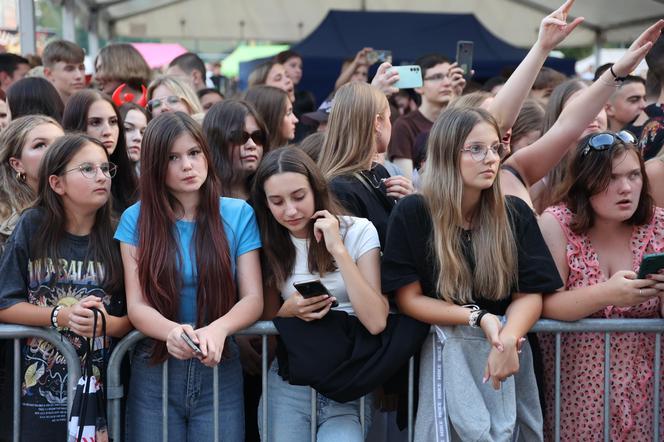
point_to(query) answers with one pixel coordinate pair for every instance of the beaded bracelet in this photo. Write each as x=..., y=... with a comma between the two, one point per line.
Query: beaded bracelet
x=54, y=316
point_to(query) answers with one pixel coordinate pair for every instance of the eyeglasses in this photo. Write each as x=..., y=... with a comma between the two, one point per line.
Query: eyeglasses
x=436, y=77
x=89, y=170
x=479, y=151
x=606, y=140
x=240, y=137
x=156, y=103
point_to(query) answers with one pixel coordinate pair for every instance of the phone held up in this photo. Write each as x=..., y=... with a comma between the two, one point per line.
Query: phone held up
x=464, y=56
x=309, y=289
x=409, y=76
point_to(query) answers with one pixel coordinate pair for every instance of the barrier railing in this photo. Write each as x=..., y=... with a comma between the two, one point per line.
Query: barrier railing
x=18, y=332
x=115, y=389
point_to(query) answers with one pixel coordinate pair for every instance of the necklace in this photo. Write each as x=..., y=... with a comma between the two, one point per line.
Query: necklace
x=371, y=178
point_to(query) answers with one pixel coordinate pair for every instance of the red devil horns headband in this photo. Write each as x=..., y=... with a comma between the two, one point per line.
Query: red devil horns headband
x=119, y=98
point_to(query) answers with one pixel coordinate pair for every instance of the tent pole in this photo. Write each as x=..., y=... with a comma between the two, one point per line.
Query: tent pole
x=599, y=38
x=26, y=26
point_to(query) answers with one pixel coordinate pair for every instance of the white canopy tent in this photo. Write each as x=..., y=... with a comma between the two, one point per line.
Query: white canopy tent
x=215, y=22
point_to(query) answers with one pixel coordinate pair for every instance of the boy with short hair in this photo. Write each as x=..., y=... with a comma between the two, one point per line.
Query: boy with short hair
x=64, y=67
x=626, y=104
x=13, y=67
x=441, y=82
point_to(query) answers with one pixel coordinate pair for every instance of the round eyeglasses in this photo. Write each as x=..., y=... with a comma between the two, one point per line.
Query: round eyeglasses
x=479, y=151
x=156, y=103
x=89, y=170
x=606, y=140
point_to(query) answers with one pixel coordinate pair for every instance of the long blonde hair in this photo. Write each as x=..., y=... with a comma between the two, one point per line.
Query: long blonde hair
x=351, y=138
x=180, y=89
x=16, y=195
x=493, y=244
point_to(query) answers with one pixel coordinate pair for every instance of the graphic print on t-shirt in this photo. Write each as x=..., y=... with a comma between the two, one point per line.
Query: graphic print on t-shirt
x=44, y=385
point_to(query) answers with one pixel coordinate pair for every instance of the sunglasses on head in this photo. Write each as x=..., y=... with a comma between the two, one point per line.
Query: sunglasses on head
x=606, y=140
x=242, y=136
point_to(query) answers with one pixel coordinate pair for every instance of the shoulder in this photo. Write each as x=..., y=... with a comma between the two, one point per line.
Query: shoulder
x=132, y=212
x=351, y=225
x=234, y=207
x=411, y=205
x=29, y=222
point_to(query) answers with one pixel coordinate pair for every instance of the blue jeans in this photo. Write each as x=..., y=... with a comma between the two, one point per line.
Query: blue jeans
x=289, y=414
x=190, y=398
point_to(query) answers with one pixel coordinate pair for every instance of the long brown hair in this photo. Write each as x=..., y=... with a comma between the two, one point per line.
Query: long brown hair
x=270, y=102
x=278, y=249
x=589, y=174
x=493, y=244
x=159, y=271
x=101, y=247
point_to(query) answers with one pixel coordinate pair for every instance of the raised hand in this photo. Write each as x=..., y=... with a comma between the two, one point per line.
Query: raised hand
x=554, y=27
x=638, y=50
x=326, y=227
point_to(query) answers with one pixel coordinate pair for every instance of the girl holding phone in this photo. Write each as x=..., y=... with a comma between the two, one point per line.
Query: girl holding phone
x=305, y=238
x=461, y=242
x=602, y=225
x=61, y=261
x=191, y=268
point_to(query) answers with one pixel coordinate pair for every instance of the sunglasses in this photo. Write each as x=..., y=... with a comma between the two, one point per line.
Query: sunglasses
x=156, y=103
x=240, y=137
x=606, y=140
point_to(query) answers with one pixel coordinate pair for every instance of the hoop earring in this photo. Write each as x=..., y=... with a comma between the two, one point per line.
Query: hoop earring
x=20, y=177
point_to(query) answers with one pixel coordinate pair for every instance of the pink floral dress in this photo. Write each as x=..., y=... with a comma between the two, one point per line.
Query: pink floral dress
x=582, y=354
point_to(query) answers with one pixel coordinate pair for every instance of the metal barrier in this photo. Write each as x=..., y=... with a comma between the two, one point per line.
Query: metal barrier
x=18, y=332
x=115, y=390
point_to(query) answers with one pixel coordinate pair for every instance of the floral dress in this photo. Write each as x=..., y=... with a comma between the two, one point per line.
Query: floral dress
x=582, y=354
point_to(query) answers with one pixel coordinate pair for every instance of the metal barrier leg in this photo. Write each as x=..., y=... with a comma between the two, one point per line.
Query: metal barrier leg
x=557, y=389
x=215, y=401
x=657, y=370
x=164, y=401
x=607, y=386
x=17, y=390
x=411, y=386
x=362, y=416
x=264, y=386
x=314, y=412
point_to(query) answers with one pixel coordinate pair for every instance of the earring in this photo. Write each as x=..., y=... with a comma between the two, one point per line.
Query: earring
x=20, y=176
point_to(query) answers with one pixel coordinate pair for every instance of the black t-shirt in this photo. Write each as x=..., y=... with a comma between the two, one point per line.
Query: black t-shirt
x=366, y=199
x=652, y=133
x=27, y=278
x=408, y=257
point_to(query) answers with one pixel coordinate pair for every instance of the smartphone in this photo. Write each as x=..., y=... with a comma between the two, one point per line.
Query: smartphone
x=309, y=289
x=379, y=56
x=185, y=337
x=409, y=76
x=651, y=264
x=464, y=56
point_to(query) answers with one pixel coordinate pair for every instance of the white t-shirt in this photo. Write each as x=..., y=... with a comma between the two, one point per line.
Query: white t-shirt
x=360, y=237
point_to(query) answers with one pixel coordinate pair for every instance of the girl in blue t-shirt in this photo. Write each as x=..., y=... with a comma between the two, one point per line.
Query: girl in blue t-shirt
x=191, y=269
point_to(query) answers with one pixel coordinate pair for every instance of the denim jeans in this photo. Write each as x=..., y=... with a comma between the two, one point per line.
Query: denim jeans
x=190, y=398
x=289, y=414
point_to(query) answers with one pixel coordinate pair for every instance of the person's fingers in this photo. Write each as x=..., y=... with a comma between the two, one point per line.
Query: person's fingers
x=565, y=8
x=571, y=26
x=495, y=382
x=487, y=374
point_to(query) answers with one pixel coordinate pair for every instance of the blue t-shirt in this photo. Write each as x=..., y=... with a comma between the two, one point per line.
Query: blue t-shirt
x=241, y=232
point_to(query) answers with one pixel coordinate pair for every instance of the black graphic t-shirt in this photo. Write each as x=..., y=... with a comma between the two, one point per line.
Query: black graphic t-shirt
x=26, y=278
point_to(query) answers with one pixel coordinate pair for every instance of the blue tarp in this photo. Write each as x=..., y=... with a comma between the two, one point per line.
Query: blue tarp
x=408, y=35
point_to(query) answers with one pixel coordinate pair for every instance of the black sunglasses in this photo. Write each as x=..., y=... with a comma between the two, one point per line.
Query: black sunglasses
x=242, y=136
x=606, y=140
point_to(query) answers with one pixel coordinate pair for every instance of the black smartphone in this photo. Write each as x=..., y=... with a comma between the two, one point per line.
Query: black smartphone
x=651, y=264
x=309, y=289
x=464, y=56
x=185, y=337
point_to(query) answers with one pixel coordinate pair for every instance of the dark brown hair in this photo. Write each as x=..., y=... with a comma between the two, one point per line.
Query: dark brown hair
x=158, y=256
x=221, y=122
x=101, y=247
x=278, y=250
x=590, y=174
x=75, y=118
x=270, y=103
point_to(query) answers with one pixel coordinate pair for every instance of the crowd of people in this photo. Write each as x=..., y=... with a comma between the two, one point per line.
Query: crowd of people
x=440, y=222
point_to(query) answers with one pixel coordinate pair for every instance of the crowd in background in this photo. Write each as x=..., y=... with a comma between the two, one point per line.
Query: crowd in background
x=443, y=222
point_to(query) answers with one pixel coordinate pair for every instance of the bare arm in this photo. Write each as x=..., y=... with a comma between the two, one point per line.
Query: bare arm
x=406, y=166
x=508, y=101
x=535, y=161
x=621, y=289
x=363, y=287
x=346, y=74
